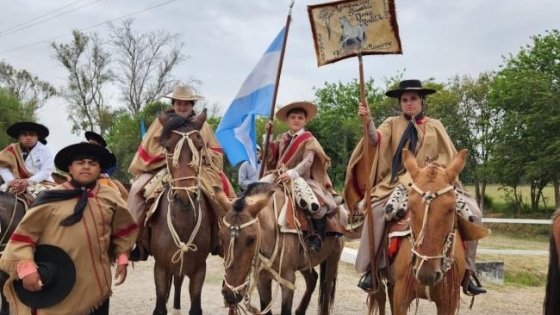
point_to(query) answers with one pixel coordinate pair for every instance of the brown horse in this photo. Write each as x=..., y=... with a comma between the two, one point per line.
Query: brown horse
x=430, y=264
x=552, y=293
x=180, y=227
x=252, y=239
x=11, y=213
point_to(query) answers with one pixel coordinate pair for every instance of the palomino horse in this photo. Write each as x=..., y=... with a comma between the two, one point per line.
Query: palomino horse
x=552, y=294
x=11, y=213
x=430, y=264
x=180, y=227
x=251, y=238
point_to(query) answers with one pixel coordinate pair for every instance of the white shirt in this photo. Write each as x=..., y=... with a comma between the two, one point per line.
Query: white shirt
x=39, y=162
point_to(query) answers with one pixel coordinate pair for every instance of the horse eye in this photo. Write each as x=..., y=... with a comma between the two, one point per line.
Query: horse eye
x=250, y=241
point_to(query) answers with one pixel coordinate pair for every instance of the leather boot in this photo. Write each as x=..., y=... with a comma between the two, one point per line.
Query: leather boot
x=139, y=253
x=366, y=281
x=474, y=289
x=315, y=240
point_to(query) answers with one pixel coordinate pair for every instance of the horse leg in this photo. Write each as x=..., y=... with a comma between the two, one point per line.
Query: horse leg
x=162, y=278
x=195, y=289
x=177, y=284
x=288, y=294
x=329, y=273
x=5, y=310
x=310, y=276
x=400, y=301
x=264, y=286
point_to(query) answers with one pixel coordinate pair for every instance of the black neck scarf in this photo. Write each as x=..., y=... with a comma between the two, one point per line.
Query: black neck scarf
x=409, y=133
x=65, y=194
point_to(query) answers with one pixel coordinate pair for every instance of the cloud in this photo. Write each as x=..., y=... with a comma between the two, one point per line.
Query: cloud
x=225, y=38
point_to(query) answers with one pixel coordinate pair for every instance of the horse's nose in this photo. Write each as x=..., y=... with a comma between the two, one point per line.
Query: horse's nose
x=230, y=297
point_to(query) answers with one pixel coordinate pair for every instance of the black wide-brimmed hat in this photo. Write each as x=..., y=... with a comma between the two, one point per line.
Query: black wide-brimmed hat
x=97, y=137
x=16, y=129
x=409, y=86
x=67, y=155
x=58, y=275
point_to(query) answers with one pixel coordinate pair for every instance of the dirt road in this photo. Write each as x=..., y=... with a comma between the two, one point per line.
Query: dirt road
x=137, y=295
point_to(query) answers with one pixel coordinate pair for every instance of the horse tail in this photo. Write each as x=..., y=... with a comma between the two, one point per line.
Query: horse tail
x=372, y=304
x=322, y=284
x=551, y=303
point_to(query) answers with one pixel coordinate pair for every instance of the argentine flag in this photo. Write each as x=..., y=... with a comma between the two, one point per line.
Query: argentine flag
x=236, y=131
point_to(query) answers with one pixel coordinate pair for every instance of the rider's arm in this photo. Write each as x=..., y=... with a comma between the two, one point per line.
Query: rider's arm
x=6, y=174
x=304, y=166
x=45, y=165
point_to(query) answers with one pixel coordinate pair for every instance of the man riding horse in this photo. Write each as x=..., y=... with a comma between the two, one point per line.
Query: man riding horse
x=149, y=165
x=26, y=165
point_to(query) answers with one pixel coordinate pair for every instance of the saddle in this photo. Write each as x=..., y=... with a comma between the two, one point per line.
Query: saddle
x=294, y=220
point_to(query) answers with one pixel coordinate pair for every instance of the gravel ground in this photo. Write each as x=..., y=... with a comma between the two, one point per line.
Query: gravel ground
x=137, y=295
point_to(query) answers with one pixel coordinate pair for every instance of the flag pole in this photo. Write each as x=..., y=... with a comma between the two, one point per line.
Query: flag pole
x=367, y=198
x=275, y=94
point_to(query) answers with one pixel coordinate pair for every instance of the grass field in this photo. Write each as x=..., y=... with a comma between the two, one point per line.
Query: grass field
x=497, y=195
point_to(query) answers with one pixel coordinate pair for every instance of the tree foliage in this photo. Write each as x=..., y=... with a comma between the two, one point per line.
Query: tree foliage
x=87, y=64
x=13, y=111
x=29, y=89
x=145, y=62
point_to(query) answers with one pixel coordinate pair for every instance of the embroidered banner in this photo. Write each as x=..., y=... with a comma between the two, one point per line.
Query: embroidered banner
x=341, y=29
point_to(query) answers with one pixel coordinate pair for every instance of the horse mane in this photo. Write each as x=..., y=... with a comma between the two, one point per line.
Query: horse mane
x=253, y=189
x=172, y=122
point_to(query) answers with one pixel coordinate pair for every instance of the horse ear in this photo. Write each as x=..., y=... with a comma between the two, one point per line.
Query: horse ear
x=199, y=119
x=457, y=165
x=221, y=198
x=261, y=202
x=409, y=161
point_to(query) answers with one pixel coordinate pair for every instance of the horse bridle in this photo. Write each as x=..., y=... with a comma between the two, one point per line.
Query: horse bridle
x=449, y=245
x=229, y=259
x=196, y=163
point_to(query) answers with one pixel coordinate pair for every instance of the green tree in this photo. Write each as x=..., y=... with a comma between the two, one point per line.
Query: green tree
x=88, y=69
x=338, y=126
x=464, y=109
x=526, y=93
x=32, y=91
x=12, y=111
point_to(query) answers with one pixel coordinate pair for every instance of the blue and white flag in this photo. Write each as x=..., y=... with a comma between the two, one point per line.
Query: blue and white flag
x=236, y=131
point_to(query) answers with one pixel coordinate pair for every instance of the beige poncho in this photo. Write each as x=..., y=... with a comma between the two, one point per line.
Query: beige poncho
x=433, y=143
x=106, y=228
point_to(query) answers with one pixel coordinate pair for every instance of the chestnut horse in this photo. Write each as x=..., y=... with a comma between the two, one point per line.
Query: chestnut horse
x=180, y=231
x=552, y=293
x=252, y=240
x=430, y=263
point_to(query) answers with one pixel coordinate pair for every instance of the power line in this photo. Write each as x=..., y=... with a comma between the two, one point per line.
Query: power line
x=89, y=27
x=51, y=18
x=40, y=16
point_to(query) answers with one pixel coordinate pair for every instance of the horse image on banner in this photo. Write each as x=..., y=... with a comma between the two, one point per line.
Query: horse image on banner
x=345, y=29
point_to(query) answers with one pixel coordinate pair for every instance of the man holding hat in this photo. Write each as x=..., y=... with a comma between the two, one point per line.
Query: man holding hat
x=297, y=155
x=95, y=138
x=248, y=173
x=149, y=160
x=27, y=165
x=428, y=140
x=87, y=221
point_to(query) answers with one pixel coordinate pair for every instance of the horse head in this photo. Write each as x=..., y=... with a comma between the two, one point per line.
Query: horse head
x=241, y=235
x=432, y=216
x=184, y=150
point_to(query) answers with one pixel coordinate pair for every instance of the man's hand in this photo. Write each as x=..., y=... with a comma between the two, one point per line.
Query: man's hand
x=363, y=111
x=120, y=274
x=285, y=177
x=32, y=282
x=19, y=185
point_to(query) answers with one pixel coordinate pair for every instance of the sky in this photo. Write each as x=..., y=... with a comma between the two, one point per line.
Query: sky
x=225, y=38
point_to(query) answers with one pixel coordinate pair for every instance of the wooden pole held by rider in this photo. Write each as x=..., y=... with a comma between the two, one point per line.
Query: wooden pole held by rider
x=275, y=94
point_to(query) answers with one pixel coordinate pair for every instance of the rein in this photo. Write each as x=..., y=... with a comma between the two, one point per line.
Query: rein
x=265, y=264
x=182, y=247
x=449, y=246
